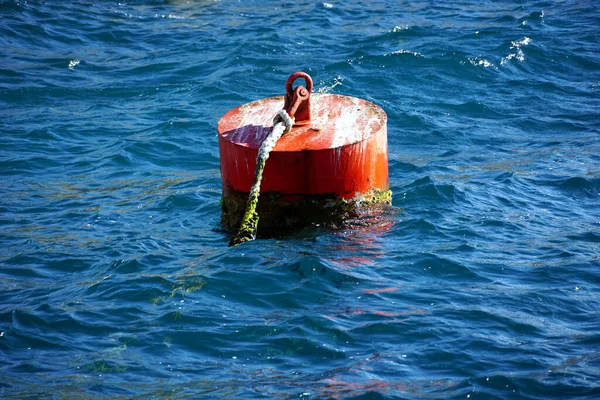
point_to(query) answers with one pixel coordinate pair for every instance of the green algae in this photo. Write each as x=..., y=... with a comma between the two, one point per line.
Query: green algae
x=281, y=214
x=249, y=224
x=105, y=367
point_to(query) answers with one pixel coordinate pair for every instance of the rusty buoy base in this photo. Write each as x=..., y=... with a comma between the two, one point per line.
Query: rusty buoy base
x=283, y=214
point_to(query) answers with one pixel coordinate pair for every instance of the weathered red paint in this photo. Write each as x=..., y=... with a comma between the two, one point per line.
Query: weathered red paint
x=341, y=151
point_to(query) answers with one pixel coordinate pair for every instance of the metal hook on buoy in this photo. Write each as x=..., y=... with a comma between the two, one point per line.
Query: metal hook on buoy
x=297, y=101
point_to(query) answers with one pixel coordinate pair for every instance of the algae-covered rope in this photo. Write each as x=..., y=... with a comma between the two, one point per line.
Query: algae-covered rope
x=282, y=123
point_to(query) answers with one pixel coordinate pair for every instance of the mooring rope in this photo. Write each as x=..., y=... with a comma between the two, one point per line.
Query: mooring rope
x=282, y=123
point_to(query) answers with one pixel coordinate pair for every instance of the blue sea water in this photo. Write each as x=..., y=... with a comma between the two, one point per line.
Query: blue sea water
x=116, y=280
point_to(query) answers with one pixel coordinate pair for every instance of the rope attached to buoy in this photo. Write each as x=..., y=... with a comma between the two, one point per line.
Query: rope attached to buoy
x=282, y=123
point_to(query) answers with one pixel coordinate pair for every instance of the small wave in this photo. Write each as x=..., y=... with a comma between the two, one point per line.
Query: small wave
x=327, y=86
x=481, y=62
x=304, y=347
x=74, y=62
x=592, y=237
x=169, y=16
x=579, y=186
x=399, y=28
x=523, y=42
x=448, y=269
x=290, y=282
x=403, y=51
x=534, y=16
x=426, y=189
x=406, y=30
x=518, y=54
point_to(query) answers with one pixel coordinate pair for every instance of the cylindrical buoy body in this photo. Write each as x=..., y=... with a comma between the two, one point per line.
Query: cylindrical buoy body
x=339, y=155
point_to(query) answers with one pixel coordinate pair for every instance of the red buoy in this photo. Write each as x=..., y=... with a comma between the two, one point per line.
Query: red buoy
x=336, y=151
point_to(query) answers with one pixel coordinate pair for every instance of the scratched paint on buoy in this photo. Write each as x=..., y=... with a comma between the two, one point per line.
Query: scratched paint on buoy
x=337, y=121
x=342, y=151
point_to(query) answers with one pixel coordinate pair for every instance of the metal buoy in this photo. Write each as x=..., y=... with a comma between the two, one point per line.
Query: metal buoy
x=332, y=160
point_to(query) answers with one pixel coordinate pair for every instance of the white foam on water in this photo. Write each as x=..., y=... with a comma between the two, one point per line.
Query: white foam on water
x=403, y=51
x=399, y=28
x=518, y=55
x=481, y=62
x=327, y=88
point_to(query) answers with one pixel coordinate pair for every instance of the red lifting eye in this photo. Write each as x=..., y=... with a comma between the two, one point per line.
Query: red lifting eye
x=297, y=101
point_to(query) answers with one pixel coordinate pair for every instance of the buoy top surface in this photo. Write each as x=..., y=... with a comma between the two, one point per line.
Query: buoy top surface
x=336, y=121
